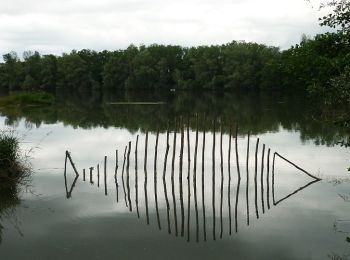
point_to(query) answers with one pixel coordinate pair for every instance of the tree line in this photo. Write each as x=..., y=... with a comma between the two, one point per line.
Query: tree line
x=320, y=65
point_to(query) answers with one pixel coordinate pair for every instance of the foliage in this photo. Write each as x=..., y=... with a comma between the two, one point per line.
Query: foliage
x=339, y=18
x=28, y=98
x=319, y=65
x=13, y=166
x=14, y=173
x=9, y=150
x=162, y=67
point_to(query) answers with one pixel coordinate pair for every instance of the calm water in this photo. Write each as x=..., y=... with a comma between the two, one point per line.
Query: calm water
x=175, y=199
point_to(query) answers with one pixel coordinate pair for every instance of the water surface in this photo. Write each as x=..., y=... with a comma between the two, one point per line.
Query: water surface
x=179, y=200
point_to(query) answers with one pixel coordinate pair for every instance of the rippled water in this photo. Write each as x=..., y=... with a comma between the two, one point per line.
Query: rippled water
x=179, y=201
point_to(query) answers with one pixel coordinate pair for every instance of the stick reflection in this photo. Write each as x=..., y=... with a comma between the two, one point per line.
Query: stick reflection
x=229, y=177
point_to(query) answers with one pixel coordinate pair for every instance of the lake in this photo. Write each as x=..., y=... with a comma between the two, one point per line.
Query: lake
x=179, y=175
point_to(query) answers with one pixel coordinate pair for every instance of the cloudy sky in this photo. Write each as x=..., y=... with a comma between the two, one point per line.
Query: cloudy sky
x=56, y=26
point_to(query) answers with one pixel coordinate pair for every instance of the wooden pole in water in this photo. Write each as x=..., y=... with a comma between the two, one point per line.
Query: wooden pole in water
x=180, y=179
x=98, y=175
x=155, y=179
x=188, y=180
x=128, y=177
x=195, y=181
x=105, y=174
x=268, y=179
x=72, y=163
x=65, y=162
x=203, y=181
x=229, y=180
x=172, y=180
x=273, y=179
x=123, y=182
x=136, y=179
x=116, y=163
x=296, y=166
x=222, y=180
x=262, y=179
x=213, y=180
x=239, y=180
x=116, y=175
x=91, y=168
x=83, y=174
x=164, y=179
x=247, y=187
x=145, y=183
x=65, y=174
x=255, y=178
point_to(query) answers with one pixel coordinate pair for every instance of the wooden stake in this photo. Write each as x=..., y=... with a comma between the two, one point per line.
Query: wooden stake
x=128, y=177
x=247, y=188
x=145, y=169
x=262, y=179
x=105, y=174
x=255, y=178
x=164, y=180
x=203, y=181
x=213, y=181
x=155, y=179
x=136, y=179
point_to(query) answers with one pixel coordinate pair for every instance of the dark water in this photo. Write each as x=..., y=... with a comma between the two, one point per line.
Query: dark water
x=182, y=199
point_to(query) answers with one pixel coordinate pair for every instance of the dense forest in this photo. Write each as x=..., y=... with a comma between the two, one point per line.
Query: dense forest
x=319, y=65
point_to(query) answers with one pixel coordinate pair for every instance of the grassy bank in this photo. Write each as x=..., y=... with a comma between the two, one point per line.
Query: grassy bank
x=27, y=98
x=15, y=173
x=13, y=167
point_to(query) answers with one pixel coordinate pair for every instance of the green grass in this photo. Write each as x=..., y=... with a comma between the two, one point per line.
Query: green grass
x=13, y=166
x=12, y=173
x=28, y=98
x=8, y=149
x=15, y=174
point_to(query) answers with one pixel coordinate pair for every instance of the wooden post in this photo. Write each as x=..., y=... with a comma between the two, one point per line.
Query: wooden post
x=195, y=180
x=273, y=179
x=268, y=179
x=123, y=182
x=213, y=180
x=155, y=179
x=71, y=161
x=116, y=175
x=255, y=178
x=116, y=163
x=203, y=181
x=105, y=174
x=84, y=175
x=98, y=175
x=239, y=180
x=145, y=183
x=128, y=177
x=229, y=180
x=164, y=179
x=188, y=181
x=222, y=180
x=180, y=179
x=247, y=188
x=262, y=179
x=296, y=166
x=65, y=175
x=91, y=168
x=136, y=179
x=172, y=180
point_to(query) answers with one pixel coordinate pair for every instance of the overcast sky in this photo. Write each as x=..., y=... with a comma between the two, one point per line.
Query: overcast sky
x=56, y=26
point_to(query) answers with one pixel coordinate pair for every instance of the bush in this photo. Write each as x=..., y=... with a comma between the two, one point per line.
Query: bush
x=28, y=98
x=13, y=167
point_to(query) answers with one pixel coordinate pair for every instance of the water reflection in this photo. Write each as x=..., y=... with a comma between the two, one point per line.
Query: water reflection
x=212, y=189
x=257, y=112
